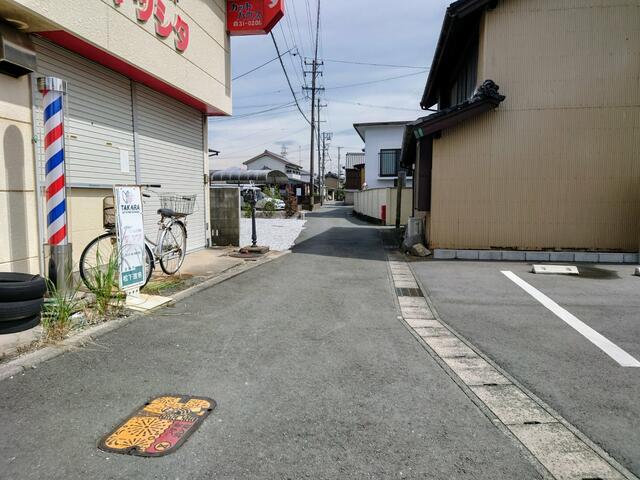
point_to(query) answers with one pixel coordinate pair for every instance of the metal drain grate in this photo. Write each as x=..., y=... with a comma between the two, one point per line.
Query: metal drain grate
x=408, y=292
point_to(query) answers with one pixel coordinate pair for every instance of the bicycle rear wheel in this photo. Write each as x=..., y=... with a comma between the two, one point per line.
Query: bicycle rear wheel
x=96, y=257
x=173, y=248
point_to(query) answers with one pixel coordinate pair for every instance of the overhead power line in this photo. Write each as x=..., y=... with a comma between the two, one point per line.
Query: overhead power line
x=376, y=64
x=260, y=112
x=295, y=99
x=369, y=105
x=260, y=66
x=376, y=81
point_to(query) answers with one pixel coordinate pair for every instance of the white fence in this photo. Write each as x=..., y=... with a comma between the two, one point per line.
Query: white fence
x=371, y=202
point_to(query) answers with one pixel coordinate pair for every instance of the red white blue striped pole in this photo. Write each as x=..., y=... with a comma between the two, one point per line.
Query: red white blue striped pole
x=53, y=91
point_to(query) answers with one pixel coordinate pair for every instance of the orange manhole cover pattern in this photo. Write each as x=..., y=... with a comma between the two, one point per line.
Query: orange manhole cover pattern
x=159, y=427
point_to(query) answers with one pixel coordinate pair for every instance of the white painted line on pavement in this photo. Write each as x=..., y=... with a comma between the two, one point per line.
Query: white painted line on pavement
x=603, y=343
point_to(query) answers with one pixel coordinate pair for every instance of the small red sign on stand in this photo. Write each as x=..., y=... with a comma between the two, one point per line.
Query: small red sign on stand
x=253, y=17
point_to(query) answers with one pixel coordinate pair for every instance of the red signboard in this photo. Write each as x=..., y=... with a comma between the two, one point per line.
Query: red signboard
x=253, y=17
x=164, y=26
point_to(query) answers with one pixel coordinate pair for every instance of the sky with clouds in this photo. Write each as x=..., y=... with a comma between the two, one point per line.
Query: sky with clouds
x=384, y=32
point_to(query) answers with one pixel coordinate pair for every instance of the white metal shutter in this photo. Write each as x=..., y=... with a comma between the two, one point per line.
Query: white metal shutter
x=170, y=147
x=99, y=120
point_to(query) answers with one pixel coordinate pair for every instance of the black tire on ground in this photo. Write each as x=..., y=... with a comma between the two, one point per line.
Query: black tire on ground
x=15, y=287
x=17, y=326
x=25, y=309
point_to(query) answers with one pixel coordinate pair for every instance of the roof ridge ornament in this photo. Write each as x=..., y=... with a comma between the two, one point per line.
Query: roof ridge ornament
x=488, y=89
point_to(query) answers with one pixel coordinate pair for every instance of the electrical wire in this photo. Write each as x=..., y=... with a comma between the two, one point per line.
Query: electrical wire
x=260, y=66
x=253, y=114
x=369, y=105
x=295, y=99
x=376, y=81
x=375, y=64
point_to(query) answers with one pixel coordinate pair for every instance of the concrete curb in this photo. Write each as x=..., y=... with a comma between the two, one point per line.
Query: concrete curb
x=33, y=359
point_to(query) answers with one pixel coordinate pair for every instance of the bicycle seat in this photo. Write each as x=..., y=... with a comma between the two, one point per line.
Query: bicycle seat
x=167, y=212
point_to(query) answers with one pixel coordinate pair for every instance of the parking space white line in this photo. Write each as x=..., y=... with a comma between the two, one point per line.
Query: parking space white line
x=603, y=343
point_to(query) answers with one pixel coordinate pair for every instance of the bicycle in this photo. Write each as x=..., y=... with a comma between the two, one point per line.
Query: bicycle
x=170, y=246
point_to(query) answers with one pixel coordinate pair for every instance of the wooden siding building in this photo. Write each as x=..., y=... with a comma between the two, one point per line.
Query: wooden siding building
x=550, y=159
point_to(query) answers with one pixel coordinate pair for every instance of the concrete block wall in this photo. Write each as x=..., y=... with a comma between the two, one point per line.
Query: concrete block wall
x=533, y=256
x=225, y=216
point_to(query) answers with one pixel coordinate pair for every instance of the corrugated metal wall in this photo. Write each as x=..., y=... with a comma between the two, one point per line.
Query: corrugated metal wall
x=171, y=153
x=101, y=109
x=99, y=117
x=556, y=165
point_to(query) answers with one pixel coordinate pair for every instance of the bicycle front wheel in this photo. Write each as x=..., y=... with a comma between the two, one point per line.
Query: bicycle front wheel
x=173, y=248
x=99, y=253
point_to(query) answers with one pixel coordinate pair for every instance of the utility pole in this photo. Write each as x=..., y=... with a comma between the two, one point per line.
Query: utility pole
x=326, y=137
x=314, y=76
x=339, y=148
x=319, y=161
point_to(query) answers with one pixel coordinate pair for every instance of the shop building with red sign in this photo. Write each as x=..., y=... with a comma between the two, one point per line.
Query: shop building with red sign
x=142, y=77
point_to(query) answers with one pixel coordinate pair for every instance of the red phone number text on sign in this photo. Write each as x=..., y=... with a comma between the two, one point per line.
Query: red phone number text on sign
x=164, y=26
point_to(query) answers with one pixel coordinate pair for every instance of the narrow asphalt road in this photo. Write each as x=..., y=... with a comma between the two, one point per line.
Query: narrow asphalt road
x=314, y=376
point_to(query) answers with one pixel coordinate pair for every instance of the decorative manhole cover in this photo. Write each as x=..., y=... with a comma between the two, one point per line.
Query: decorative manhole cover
x=160, y=427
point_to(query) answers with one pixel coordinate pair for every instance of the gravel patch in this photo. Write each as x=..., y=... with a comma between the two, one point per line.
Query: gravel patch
x=277, y=234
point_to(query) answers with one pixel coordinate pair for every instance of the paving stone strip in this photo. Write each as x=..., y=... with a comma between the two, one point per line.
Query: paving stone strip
x=566, y=453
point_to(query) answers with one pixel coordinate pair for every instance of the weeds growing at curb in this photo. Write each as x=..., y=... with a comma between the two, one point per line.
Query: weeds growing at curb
x=157, y=286
x=58, y=309
x=103, y=283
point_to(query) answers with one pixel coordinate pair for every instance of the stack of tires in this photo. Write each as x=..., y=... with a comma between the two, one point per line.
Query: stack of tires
x=21, y=299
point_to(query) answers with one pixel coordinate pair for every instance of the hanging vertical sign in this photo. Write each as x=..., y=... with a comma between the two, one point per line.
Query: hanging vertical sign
x=253, y=17
x=130, y=232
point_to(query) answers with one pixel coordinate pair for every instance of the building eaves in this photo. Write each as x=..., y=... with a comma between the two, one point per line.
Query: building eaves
x=486, y=98
x=267, y=153
x=361, y=127
x=456, y=24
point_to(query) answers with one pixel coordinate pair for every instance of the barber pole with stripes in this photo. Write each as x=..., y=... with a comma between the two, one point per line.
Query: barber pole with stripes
x=53, y=91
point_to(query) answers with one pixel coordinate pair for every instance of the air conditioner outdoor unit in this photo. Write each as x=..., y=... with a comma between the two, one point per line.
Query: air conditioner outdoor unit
x=17, y=53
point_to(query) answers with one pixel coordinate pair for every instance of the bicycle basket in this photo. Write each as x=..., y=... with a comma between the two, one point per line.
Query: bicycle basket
x=181, y=204
x=109, y=212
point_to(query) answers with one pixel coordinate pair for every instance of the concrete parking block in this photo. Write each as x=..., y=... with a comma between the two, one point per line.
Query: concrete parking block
x=586, y=257
x=537, y=256
x=611, y=257
x=495, y=255
x=467, y=254
x=562, y=453
x=476, y=371
x=449, y=346
x=561, y=256
x=514, y=256
x=423, y=323
x=440, y=254
x=511, y=405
